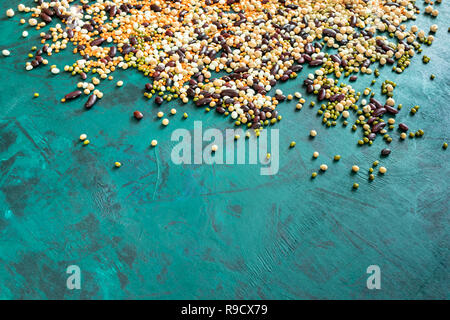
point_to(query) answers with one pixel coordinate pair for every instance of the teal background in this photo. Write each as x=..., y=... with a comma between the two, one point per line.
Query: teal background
x=155, y=230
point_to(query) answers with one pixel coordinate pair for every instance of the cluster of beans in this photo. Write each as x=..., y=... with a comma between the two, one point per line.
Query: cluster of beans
x=228, y=55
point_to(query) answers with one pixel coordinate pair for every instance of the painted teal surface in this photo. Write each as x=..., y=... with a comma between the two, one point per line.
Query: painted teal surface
x=155, y=230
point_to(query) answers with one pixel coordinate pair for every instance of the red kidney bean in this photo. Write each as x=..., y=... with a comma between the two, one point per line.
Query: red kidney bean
x=112, y=11
x=321, y=94
x=385, y=152
x=45, y=17
x=329, y=33
x=376, y=102
x=220, y=110
x=377, y=127
x=230, y=93
x=316, y=62
x=337, y=97
x=203, y=102
x=97, y=42
x=73, y=95
x=159, y=100
x=403, y=127
x=390, y=109
x=138, y=115
x=112, y=51
x=155, y=8
x=91, y=101
x=379, y=112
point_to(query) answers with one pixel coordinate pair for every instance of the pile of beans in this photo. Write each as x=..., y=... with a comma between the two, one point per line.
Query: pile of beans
x=228, y=55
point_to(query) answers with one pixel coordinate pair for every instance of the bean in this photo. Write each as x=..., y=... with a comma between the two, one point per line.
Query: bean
x=72, y=95
x=155, y=8
x=91, y=101
x=377, y=127
x=403, y=127
x=138, y=115
x=203, y=102
x=97, y=42
x=45, y=17
x=159, y=100
x=229, y=93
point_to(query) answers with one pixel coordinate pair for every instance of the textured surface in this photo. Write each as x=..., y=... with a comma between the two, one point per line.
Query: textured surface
x=152, y=229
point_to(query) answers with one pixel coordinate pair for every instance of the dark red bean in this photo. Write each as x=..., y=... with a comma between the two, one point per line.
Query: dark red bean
x=159, y=100
x=329, y=33
x=72, y=95
x=230, y=93
x=203, y=102
x=379, y=112
x=45, y=17
x=316, y=62
x=138, y=115
x=390, y=109
x=220, y=110
x=112, y=51
x=403, y=127
x=112, y=11
x=353, y=78
x=155, y=8
x=377, y=127
x=322, y=94
x=48, y=12
x=376, y=103
x=337, y=97
x=91, y=101
x=385, y=152
x=97, y=42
